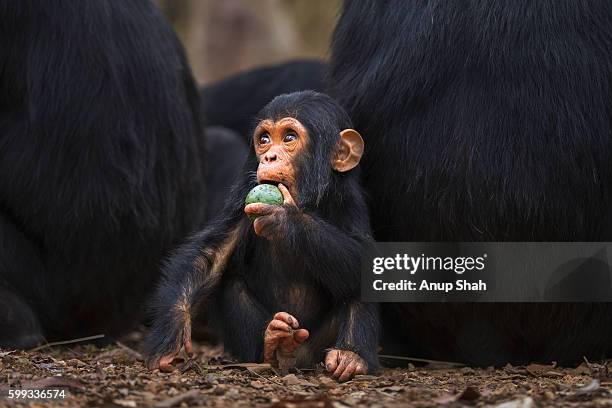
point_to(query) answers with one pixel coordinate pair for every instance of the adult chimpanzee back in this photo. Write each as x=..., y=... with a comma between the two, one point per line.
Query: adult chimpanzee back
x=101, y=163
x=233, y=102
x=485, y=121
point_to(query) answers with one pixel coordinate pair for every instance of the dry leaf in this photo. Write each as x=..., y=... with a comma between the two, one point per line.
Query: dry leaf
x=125, y=403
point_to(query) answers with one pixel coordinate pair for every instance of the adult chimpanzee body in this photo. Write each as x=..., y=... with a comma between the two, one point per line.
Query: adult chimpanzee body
x=226, y=153
x=485, y=121
x=293, y=273
x=233, y=102
x=101, y=164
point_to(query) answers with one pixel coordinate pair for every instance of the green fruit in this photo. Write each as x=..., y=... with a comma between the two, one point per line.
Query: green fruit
x=264, y=193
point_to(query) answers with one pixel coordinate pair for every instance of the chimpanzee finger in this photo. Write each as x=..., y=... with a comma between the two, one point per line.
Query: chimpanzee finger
x=287, y=199
x=152, y=362
x=263, y=226
x=300, y=336
x=361, y=369
x=259, y=209
x=349, y=371
x=331, y=360
x=287, y=318
x=279, y=325
x=165, y=363
x=344, y=362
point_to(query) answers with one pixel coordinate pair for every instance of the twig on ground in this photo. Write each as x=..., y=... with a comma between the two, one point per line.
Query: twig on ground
x=265, y=378
x=421, y=360
x=59, y=343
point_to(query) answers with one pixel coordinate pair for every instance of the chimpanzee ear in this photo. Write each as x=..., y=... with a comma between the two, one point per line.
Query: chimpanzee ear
x=349, y=150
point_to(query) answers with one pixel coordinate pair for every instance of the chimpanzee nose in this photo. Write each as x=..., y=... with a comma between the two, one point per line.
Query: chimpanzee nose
x=270, y=157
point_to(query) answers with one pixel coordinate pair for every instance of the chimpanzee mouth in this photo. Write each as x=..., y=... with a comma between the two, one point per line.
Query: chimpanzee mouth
x=272, y=182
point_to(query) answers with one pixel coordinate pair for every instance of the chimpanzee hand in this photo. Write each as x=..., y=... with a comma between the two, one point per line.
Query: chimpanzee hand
x=281, y=340
x=166, y=362
x=271, y=219
x=344, y=364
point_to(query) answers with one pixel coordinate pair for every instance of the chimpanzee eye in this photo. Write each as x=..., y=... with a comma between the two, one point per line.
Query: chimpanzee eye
x=264, y=138
x=290, y=137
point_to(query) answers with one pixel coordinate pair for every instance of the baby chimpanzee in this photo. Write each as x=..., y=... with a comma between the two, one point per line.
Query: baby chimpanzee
x=284, y=288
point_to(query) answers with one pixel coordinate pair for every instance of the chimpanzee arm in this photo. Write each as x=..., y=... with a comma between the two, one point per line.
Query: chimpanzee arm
x=350, y=338
x=330, y=255
x=307, y=241
x=190, y=277
x=359, y=332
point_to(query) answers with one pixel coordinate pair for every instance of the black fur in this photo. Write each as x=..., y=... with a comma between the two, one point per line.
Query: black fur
x=318, y=253
x=485, y=121
x=234, y=101
x=101, y=163
x=226, y=153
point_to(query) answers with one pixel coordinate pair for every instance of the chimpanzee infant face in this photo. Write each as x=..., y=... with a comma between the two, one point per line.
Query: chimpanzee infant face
x=277, y=144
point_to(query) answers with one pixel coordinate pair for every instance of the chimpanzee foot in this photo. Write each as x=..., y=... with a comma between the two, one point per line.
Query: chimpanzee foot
x=344, y=365
x=281, y=341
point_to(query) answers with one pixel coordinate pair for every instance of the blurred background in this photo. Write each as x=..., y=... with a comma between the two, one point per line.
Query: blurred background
x=222, y=37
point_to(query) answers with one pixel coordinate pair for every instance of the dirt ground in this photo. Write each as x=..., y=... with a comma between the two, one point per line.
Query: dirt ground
x=115, y=376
